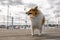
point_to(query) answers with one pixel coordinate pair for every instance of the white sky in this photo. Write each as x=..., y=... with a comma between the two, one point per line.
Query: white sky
x=42, y=3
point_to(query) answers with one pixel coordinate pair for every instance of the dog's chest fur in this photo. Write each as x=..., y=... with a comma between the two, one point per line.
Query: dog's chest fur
x=37, y=20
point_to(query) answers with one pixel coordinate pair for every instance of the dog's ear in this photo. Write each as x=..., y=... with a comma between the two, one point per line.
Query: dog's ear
x=36, y=7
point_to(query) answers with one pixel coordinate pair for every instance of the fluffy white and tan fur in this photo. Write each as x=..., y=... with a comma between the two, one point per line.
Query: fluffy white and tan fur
x=37, y=19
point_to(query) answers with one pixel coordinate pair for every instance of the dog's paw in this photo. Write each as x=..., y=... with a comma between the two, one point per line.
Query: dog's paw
x=40, y=34
x=32, y=34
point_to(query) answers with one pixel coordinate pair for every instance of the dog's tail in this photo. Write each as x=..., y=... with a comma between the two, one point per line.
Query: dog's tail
x=43, y=20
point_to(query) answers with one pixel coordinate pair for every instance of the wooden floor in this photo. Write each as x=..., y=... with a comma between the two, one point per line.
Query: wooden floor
x=19, y=34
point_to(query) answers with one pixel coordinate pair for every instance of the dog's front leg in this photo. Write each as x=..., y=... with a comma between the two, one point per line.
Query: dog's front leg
x=32, y=30
x=40, y=29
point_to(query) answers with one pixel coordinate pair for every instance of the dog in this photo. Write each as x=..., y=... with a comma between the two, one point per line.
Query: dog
x=37, y=19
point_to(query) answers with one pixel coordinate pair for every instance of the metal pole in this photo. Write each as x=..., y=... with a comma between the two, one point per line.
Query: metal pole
x=7, y=15
x=58, y=22
x=47, y=23
x=12, y=22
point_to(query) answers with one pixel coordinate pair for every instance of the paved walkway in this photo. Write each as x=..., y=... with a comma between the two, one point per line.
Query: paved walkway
x=17, y=34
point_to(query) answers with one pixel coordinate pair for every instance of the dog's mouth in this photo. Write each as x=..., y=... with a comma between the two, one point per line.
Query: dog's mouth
x=28, y=13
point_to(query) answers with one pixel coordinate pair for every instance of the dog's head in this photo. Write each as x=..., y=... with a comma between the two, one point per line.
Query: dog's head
x=33, y=11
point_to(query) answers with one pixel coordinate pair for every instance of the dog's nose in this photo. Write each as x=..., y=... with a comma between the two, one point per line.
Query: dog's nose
x=26, y=13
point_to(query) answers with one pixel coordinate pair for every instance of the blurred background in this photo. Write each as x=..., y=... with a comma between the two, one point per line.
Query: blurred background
x=12, y=13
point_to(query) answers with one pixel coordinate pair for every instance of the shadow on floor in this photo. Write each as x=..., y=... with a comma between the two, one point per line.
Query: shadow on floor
x=47, y=36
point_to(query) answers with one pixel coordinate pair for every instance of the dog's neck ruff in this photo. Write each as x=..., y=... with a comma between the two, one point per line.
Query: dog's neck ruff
x=37, y=20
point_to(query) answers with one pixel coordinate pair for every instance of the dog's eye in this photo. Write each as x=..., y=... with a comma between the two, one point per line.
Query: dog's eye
x=33, y=10
x=29, y=13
